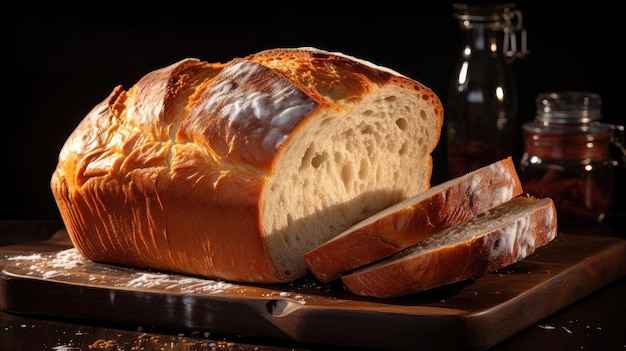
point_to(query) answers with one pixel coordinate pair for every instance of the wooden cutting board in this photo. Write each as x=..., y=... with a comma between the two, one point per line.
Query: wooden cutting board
x=471, y=315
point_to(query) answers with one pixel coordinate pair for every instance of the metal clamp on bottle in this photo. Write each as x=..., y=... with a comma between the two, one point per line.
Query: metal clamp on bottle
x=514, y=24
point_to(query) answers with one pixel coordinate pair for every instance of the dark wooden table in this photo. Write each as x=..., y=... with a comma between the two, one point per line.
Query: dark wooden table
x=595, y=322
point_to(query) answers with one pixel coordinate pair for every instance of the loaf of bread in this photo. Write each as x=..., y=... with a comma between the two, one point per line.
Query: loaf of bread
x=234, y=170
x=495, y=239
x=415, y=219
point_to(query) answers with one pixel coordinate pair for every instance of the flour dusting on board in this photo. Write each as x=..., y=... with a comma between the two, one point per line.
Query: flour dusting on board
x=71, y=267
x=71, y=262
x=55, y=265
x=170, y=282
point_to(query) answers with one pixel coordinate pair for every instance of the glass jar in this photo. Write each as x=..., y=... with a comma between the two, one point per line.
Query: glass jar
x=567, y=155
x=481, y=108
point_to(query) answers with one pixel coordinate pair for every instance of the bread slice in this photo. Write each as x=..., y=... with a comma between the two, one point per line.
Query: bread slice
x=415, y=219
x=234, y=170
x=501, y=236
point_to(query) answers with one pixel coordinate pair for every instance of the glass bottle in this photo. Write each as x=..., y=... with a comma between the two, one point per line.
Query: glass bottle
x=567, y=155
x=482, y=102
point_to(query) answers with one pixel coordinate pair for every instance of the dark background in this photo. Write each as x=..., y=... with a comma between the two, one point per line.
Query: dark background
x=58, y=63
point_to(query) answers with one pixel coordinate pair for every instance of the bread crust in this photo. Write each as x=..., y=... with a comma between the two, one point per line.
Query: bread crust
x=426, y=265
x=415, y=219
x=171, y=174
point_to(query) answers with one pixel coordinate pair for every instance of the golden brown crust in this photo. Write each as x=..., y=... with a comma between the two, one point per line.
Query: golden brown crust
x=485, y=250
x=415, y=219
x=332, y=76
x=135, y=201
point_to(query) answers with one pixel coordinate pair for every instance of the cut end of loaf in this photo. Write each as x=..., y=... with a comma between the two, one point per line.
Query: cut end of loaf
x=348, y=166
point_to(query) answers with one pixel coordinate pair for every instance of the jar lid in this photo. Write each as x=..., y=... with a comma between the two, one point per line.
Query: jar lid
x=568, y=107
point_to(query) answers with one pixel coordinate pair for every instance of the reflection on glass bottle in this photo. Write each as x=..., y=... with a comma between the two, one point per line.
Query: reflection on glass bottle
x=482, y=103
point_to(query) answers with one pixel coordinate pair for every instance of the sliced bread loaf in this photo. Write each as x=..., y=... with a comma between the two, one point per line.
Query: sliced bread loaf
x=415, y=219
x=486, y=243
x=234, y=170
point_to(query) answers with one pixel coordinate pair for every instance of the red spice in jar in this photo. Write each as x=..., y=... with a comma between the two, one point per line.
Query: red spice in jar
x=567, y=156
x=575, y=199
x=572, y=170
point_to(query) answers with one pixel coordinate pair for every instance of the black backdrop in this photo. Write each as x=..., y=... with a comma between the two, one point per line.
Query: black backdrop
x=58, y=63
